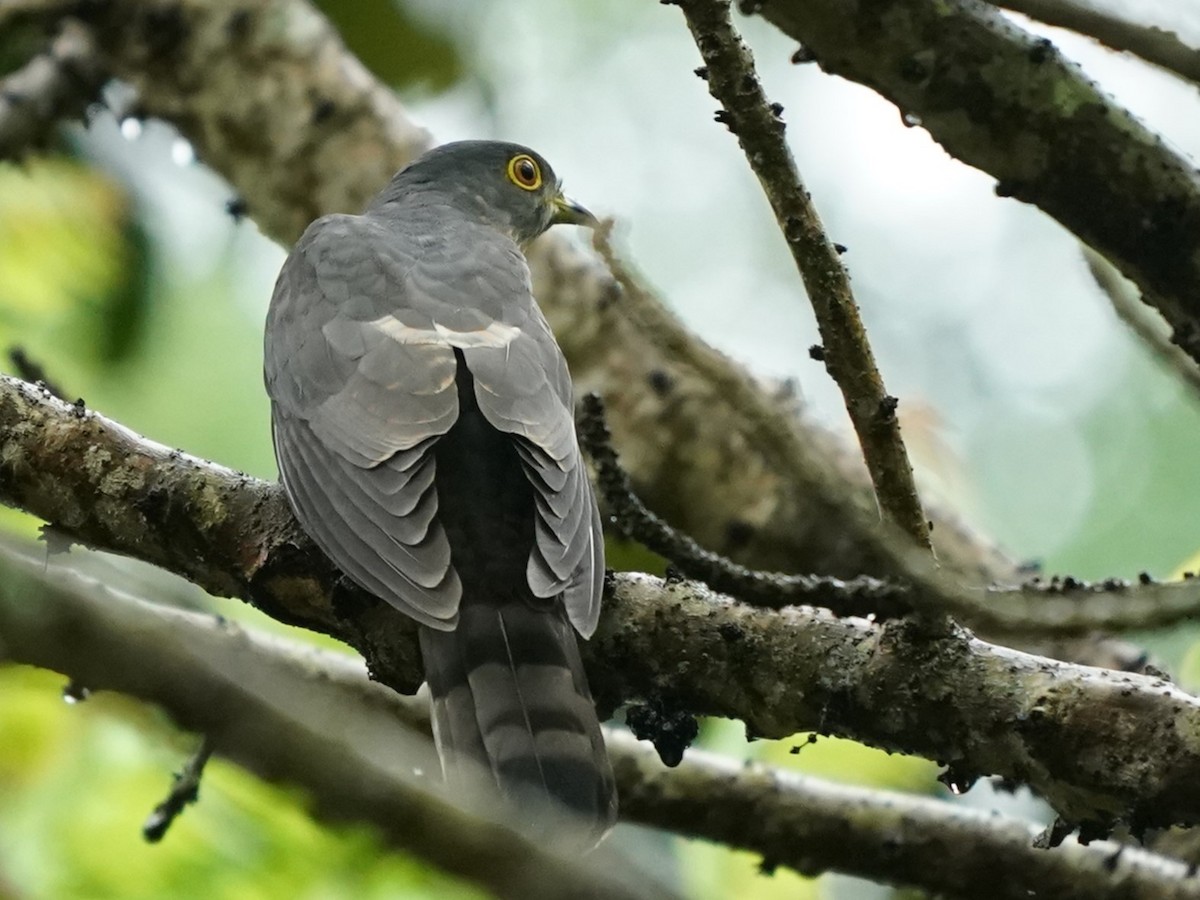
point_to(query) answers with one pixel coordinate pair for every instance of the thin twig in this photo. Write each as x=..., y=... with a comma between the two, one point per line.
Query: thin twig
x=860, y=596
x=34, y=372
x=1157, y=46
x=184, y=791
x=758, y=126
x=1144, y=321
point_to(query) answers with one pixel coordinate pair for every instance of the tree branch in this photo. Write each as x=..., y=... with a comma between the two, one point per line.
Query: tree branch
x=863, y=596
x=1057, y=606
x=1006, y=102
x=794, y=474
x=733, y=82
x=95, y=634
x=1141, y=319
x=288, y=714
x=301, y=129
x=814, y=826
x=1077, y=735
x=1156, y=46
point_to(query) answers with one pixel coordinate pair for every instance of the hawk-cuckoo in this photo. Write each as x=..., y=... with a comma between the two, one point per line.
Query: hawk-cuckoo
x=422, y=419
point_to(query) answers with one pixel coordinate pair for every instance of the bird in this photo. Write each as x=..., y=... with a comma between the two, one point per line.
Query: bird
x=422, y=421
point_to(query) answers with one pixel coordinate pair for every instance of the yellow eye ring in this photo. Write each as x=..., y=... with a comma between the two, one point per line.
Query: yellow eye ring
x=524, y=172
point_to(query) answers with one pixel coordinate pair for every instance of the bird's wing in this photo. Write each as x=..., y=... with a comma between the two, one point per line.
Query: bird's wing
x=362, y=384
x=523, y=388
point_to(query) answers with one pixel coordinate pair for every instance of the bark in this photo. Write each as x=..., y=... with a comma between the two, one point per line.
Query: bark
x=310, y=717
x=290, y=714
x=1099, y=745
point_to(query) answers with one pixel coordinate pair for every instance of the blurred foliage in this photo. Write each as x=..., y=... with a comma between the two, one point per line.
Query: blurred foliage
x=75, y=268
x=77, y=781
x=400, y=48
x=76, y=284
x=19, y=43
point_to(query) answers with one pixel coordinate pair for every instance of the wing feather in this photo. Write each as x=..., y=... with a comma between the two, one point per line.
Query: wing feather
x=583, y=594
x=405, y=559
x=356, y=411
x=353, y=554
x=360, y=365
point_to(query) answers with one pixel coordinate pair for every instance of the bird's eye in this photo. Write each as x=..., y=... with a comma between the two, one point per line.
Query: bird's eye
x=524, y=172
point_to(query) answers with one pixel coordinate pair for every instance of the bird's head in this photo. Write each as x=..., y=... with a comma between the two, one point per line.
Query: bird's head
x=506, y=185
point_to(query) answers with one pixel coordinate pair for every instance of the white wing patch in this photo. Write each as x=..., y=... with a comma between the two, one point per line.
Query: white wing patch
x=496, y=334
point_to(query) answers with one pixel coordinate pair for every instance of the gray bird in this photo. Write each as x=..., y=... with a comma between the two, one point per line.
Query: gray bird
x=422, y=419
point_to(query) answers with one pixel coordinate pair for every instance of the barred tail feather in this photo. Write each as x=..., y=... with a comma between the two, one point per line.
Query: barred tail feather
x=509, y=694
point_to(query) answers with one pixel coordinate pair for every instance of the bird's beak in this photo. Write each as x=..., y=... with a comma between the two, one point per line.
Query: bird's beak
x=568, y=212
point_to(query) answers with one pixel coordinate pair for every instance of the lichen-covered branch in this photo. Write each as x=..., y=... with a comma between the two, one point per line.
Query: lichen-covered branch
x=289, y=715
x=1007, y=102
x=308, y=699
x=733, y=81
x=271, y=99
x=814, y=826
x=1157, y=46
x=233, y=535
x=1099, y=745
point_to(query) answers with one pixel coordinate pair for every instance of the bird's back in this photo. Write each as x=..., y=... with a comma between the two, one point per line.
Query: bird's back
x=423, y=427
x=508, y=689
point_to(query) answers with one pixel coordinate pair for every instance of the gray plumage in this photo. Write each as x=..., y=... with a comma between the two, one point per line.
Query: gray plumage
x=422, y=420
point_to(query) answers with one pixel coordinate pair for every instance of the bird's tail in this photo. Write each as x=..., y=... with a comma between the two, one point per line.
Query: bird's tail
x=509, y=695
